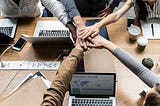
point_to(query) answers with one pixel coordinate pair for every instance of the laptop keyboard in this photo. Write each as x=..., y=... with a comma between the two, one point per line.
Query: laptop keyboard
x=54, y=33
x=6, y=30
x=92, y=102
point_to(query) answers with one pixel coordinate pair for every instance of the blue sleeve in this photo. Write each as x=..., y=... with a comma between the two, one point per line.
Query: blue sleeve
x=146, y=75
x=71, y=8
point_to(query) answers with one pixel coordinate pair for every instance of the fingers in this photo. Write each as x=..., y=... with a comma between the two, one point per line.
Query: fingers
x=84, y=33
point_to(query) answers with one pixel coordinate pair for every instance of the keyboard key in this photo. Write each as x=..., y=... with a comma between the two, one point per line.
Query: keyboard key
x=6, y=30
x=91, y=102
x=54, y=33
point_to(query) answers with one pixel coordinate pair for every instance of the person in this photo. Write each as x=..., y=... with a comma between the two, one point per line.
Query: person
x=36, y=8
x=55, y=94
x=150, y=78
x=144, y=10
x=90, y=8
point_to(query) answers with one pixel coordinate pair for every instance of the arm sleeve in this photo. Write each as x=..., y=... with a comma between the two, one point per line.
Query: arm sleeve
x=55, y=94
x=71, y=8
x=114, y=3
x=146, y=75
x=56, y=8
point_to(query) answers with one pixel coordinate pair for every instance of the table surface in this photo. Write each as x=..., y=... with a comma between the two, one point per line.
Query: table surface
x=128, y=86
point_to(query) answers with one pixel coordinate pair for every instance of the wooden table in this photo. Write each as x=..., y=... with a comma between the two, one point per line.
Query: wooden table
x=128, y=85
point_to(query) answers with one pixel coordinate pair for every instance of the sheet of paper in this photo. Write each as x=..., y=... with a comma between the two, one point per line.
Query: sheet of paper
x=151, y=28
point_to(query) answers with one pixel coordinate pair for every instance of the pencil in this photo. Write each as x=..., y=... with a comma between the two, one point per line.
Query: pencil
x=152, y=30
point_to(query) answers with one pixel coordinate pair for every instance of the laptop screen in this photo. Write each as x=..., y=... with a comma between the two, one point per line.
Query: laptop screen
x=93, y=84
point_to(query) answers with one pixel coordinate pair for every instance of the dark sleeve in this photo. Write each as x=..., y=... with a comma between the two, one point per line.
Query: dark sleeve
x=114, y=3
x=146, y=75
x=71, y=8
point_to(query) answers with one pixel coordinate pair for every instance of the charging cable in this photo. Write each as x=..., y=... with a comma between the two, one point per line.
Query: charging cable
x=2, y=64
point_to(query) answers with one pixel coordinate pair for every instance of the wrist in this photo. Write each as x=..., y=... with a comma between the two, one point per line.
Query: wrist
x=109, y=45
x=79, y=47
x=78, y=22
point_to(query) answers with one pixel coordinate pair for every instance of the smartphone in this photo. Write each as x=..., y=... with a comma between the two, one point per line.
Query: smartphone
x=20, y=43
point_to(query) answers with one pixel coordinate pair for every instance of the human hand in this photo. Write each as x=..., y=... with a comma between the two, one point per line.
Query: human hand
x=100, y=42
x=106, y=11
x=97, y=41
x=88, y=31
x=82, y=45
x=72, y=29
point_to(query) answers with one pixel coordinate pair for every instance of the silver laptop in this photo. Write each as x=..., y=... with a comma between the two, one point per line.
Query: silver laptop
x=8, y=27
x=92, y=89
x=50, y=31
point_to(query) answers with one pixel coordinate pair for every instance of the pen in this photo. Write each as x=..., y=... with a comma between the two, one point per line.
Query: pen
x=152, y=30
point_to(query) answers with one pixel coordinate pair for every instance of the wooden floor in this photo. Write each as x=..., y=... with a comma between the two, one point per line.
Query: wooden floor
x=128, y=85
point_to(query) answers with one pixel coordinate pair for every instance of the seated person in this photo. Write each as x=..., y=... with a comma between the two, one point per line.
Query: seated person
x=55, y=94
x=150, y=78
x=88, y=8
x=144, y=9
x=35, y=8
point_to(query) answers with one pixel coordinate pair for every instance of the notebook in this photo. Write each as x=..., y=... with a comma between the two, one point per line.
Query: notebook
x=103, y=30
x=7, y=29
x=50, y=32
x=151, y=28
x=99, y=87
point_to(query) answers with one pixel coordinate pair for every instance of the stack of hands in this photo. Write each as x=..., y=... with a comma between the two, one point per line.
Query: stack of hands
x=88, y=37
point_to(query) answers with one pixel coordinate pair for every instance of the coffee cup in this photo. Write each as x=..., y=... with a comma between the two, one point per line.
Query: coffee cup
x=142, y=42
x=134, y=31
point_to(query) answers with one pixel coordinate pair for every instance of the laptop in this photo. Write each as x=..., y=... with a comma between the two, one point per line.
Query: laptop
x=151, y=28
x=7, y=29
x=50, y=32
x=94, y=89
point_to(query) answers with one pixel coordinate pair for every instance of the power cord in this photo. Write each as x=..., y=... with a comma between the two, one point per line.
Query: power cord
x=2, y=64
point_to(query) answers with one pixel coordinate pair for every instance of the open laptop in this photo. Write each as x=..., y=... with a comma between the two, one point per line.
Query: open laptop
x=92, y=88
x=50, y=32
x=7, y=29
x=151, y=28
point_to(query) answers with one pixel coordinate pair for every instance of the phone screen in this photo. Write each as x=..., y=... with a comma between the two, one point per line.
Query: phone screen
x=19, y=44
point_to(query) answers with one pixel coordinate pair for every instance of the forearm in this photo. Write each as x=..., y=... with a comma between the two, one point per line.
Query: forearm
x=56, y=8
x=108, y=45
x=107, y=20
x=78, y=21
x=71, y=8
x=146, y=75
x=55, y=94
x=113, y=17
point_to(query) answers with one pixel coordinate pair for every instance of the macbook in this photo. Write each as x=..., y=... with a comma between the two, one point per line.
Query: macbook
x=92, y=89
x=50, y=32
x=7, y=29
